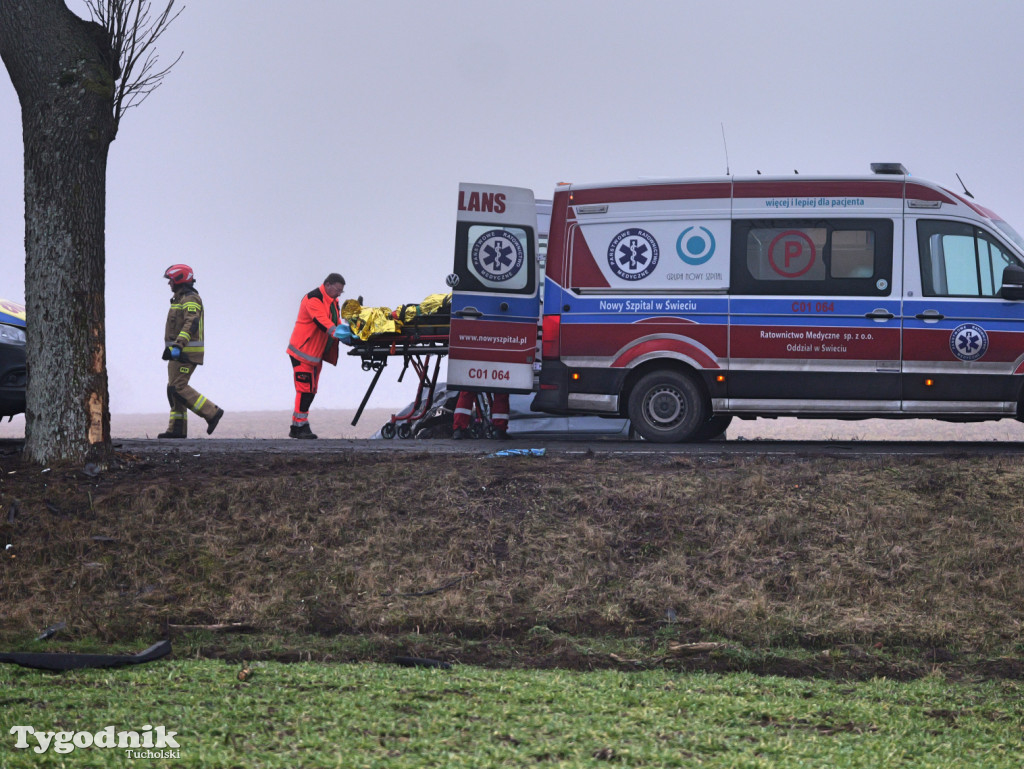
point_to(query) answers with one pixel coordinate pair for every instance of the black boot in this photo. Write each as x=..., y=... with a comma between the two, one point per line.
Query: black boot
x=211, y=423
x=178, y=430
x=301, y=431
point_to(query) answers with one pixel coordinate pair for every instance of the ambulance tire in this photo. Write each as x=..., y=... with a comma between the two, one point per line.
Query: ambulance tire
x=667, y=407
x=715, y=427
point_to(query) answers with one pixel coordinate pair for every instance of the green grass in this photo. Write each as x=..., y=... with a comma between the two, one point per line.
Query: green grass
x=371, y=715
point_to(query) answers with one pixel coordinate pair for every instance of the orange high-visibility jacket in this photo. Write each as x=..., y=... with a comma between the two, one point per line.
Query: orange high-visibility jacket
x=313, y=336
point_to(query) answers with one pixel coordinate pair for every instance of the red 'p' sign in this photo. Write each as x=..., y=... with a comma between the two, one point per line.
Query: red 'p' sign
x=791, y=254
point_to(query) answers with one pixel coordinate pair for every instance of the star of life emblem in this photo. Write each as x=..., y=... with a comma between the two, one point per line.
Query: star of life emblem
x=633, y=254
x=968, y=341
x=498, y=255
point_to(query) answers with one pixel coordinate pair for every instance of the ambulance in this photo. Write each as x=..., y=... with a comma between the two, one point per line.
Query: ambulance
x=684, y=304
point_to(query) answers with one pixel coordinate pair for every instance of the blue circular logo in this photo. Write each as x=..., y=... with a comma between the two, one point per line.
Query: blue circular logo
x=968, y=341
x=497, y=255
x=633, y=254
x=695, y=247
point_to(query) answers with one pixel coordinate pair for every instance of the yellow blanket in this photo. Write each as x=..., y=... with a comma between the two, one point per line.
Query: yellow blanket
x=370, y=321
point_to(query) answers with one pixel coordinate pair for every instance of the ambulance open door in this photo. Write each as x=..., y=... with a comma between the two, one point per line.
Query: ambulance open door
x=495, y=296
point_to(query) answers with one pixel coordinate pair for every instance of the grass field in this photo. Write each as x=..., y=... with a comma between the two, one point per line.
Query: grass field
x=596, y=610
x=757, y=552
x=371, y=715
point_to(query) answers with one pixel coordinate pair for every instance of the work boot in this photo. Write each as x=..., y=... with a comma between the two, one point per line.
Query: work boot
x=177, y=430
x=460, y=434
x=301, y=431
x=211, y=423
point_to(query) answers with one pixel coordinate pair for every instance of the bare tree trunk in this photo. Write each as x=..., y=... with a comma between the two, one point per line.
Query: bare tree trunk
x=60, y=68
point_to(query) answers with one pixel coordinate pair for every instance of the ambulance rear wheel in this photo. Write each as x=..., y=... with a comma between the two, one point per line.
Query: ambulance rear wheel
x=667, y=407
x=715, y=427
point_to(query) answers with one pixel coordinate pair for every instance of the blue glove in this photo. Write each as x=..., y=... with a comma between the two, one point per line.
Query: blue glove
x=343, y=333
x=175, y=352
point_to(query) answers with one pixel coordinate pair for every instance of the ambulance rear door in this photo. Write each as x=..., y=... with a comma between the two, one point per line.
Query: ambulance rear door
x=495, y=293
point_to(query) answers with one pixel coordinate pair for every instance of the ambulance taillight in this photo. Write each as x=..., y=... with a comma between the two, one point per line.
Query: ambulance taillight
x=551, y=330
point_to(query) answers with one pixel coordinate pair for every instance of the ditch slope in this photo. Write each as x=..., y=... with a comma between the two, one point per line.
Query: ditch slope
x=817, y=567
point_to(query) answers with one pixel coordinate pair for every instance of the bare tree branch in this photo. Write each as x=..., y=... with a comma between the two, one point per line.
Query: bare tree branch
x=134, y=31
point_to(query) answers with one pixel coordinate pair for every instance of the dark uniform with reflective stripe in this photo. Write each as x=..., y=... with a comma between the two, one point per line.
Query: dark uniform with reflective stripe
x=184, y=329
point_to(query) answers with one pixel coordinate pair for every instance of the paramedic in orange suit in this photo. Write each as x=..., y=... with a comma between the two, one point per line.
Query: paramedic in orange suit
x=313, y=341
x=464, y=410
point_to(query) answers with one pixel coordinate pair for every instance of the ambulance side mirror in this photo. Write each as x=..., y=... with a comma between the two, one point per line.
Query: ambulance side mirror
x=1013, y=283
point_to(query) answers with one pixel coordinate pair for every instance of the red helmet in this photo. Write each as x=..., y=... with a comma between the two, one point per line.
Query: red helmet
x=180, y=274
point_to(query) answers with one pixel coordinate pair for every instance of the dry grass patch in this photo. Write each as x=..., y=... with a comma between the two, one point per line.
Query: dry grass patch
x=754, y=551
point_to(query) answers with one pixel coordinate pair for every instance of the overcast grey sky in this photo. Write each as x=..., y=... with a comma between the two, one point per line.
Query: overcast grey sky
x=298, y=138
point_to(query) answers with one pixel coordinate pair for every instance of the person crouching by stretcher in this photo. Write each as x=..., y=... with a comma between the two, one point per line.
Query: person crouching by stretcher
x=314, y=340
x=464, y=413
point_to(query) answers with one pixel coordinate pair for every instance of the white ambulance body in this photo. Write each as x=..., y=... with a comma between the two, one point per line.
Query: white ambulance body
x=683, y=304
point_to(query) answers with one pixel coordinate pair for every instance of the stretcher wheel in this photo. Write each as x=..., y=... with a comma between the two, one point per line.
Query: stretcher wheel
x=404, y=431
x=388, y=430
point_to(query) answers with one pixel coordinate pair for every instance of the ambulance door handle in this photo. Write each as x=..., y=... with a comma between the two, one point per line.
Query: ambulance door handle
x=880, y=314
x=930, y=315
x=469, y=312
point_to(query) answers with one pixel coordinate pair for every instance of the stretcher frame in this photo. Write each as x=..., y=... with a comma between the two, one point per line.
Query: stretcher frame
x=420, y=342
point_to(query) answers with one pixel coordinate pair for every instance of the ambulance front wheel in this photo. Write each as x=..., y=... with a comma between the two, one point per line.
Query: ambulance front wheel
x=667, y=407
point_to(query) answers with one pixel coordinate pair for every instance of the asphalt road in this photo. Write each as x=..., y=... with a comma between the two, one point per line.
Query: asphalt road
x=834, y=448
x=599, y=447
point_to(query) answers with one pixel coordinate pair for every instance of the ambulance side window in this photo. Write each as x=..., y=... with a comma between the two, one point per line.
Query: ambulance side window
x=853, y=254
x=842, y=257
x=959, y=259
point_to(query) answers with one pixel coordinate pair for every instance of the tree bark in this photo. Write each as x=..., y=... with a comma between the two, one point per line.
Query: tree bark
x=60, y=67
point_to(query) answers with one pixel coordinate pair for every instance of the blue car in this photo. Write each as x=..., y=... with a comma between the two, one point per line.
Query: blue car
x=13, y=373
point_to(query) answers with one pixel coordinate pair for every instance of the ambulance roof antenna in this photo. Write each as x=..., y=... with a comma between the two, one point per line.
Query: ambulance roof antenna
x=726, y=145
x=967, y=192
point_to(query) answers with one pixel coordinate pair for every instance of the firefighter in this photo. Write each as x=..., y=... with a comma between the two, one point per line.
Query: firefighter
x=314, y=340
x=183, y=351
x=464, y=411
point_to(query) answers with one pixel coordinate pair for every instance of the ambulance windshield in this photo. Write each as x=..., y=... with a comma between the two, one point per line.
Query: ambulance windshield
x=1011, y=233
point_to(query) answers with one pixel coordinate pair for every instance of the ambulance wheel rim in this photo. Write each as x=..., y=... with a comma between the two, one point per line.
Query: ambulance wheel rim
x=665, y=407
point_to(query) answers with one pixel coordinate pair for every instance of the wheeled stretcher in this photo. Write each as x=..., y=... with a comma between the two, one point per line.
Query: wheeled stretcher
x=421, y=342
